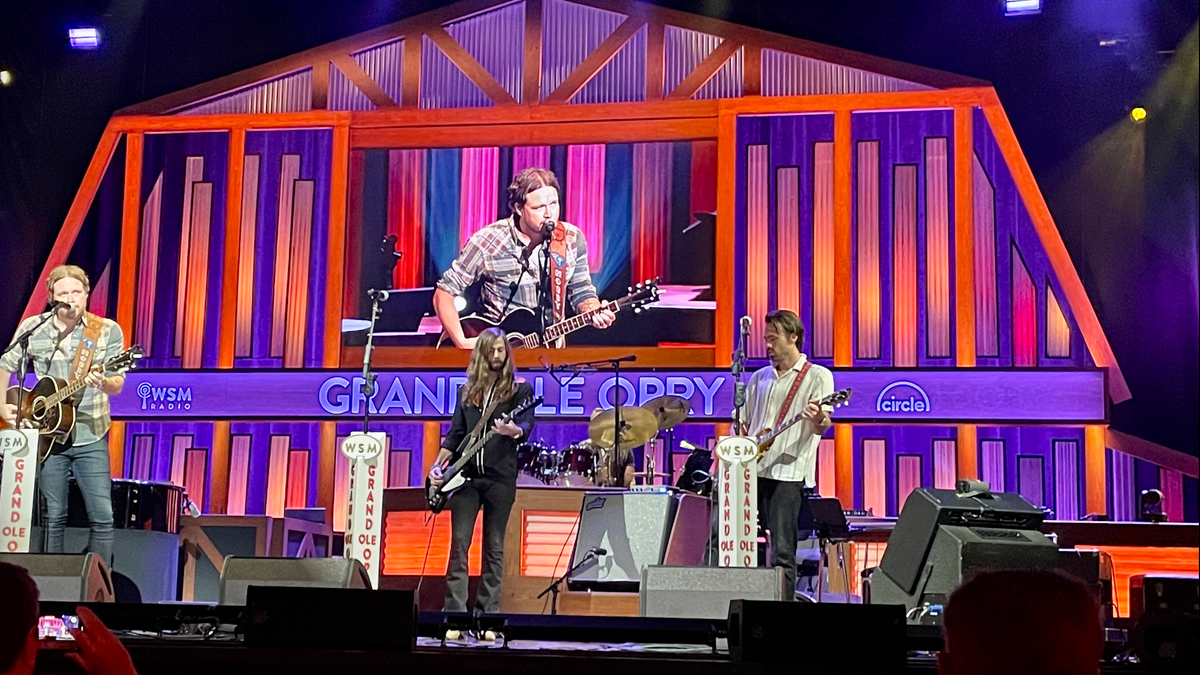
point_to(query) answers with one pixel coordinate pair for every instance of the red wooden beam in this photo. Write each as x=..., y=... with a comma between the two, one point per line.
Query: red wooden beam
x=131, y=217
x=964, y=236
x=532, y=91
x=335, y=267
x=227, y=330
x=360, y=79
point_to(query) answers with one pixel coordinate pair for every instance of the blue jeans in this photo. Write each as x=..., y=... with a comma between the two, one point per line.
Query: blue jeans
x=89, y=464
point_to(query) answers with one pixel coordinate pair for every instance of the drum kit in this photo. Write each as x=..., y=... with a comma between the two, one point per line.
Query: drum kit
x=539, y=464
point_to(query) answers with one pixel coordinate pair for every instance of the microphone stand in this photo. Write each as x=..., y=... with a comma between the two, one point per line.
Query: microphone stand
x=546, y=301
x=737, y=368
x=22, y=341
x=554, y=589
x=368, y=375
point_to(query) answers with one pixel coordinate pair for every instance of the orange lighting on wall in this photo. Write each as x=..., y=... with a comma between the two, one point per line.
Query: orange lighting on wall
x=409, y=550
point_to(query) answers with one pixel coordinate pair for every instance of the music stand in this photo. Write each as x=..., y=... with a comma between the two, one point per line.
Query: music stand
x=830, y=525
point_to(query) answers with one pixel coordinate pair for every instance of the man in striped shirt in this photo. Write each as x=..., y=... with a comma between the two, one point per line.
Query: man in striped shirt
x=508, y=257
x=52, y=351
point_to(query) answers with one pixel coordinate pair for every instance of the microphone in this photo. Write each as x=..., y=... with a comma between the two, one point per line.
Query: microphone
x=596, y=550
x=548, y=226
x=745, y=323
x=60, y=304
x=381, y=295
x=623, y=359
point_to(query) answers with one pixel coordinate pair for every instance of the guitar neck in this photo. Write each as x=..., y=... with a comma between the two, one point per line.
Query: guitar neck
x=775, y=433
x=66, y=392
x=579, y=321
x=475, y=449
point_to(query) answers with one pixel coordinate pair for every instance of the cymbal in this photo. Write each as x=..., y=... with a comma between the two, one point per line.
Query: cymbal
x=639, y=427
x=668, y=410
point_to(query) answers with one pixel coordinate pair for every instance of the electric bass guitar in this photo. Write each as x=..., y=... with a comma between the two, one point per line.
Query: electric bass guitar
x=767, y=437
x=452, y=477
x=524, y=329
x=50, y=406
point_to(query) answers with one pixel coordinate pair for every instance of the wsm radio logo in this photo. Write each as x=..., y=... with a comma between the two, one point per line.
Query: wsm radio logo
x=902, y=397
x=164, y=398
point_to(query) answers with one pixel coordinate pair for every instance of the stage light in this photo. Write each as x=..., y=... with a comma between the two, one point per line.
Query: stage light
x=6, y=77
x=460, y=303
x=1022, y=7
x=1138, y=114
x=84, y=38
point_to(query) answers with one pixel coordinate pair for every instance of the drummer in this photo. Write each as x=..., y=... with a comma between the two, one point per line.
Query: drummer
x=613, y=469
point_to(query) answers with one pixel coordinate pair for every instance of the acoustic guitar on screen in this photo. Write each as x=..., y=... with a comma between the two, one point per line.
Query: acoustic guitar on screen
x=524, y=330
x=50, y=406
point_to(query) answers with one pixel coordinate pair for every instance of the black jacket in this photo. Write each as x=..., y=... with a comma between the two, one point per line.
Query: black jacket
x=500, y=453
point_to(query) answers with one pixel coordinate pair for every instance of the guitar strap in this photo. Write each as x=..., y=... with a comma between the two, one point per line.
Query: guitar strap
x=558, y=272
x=791, y=395
x=86, y=350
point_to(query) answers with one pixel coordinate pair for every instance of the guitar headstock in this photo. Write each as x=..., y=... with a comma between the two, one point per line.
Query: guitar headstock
x=125, y=361
x=837, y=398
x=640, y=295
x=526, y=405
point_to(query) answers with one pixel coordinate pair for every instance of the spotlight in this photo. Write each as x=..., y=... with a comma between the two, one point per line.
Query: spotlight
x=1138, y=114
x=1022, y=7
x=84, y=38
x=6, y=78
x=1151, y=507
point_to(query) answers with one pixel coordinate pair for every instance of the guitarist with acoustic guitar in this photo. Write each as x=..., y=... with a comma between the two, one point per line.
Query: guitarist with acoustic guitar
x=72, y=346
x=485, y=402
x=792, y=385
x=530, y=260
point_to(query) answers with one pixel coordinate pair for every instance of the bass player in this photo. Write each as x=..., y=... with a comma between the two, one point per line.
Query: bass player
x=491, y=392
x=68, y=347
x=508, y=256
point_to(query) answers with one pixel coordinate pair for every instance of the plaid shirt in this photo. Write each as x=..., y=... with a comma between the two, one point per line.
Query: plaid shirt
x=52, y=357
x=493, y=254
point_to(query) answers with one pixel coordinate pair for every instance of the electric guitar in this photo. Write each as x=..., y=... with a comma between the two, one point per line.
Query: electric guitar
x=50, y=406
x=767, y=437
x=452, y=477
x=523, y=327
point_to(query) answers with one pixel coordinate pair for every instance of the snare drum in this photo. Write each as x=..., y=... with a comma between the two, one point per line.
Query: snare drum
x=536, y=463
x=577, y=466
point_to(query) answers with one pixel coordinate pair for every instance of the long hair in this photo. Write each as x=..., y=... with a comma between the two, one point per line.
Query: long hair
x=479, y=373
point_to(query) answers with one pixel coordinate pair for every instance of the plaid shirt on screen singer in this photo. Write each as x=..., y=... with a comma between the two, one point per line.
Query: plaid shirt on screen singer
x=493, y=254
x=52, y=357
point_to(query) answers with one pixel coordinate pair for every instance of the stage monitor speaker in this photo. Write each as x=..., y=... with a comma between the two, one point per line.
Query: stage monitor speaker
x=632, y=527
x=851, y=637
x=66, y=577
x=705, y=592
x=329, y=618
x=238, y=574
x=926, y=509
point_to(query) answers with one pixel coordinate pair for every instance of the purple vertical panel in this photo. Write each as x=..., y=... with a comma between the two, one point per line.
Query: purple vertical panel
x=385, y=64
x=528, y=156
x=444, y=85
x=1171, y=484
x=193, y=174
x=945, y=463
x=164, y=441
x=622, y=79
x=1122, y=489
x=683, y=50
x=787, y=239
x=985, y=262
x=827, y=468
x=239, y=474
x=142, y=458
x=1066, y=480
x=585, y=197
x=247, y=245
x=277, y=470
x=650, y=245
x=757, y=260
x=148, y=266
x=569, y=33
x=727, y=81
x=822, y=251
x=314, y=150
x=264, y=437
x=1058, y=330
x=874, y=476
x=180, y=444
x=993, y=463
x=1030, y=478
x=195, y=476
x=937, y=248
x=398, y=468
x=908, y=477
x=867, y=290
x=495, y=38
x=289, y=93
x=289, y=172
x=787, y=74
x=299, y=264
x=479, y=194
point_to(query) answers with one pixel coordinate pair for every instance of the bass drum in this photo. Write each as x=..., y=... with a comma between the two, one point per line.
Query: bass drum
x=577, y=466
x=536, y=464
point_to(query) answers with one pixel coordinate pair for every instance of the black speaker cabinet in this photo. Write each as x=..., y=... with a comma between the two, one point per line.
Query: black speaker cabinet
x=870, y=638
x=329, y=618
x=240, y=574
x=66, y=577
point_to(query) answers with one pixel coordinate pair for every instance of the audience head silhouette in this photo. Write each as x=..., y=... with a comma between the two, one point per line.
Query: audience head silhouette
x=18, y=620
x=1032, y=623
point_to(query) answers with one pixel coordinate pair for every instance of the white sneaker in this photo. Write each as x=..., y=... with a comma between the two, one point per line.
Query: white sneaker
x=486, y=636
x=454, y=635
